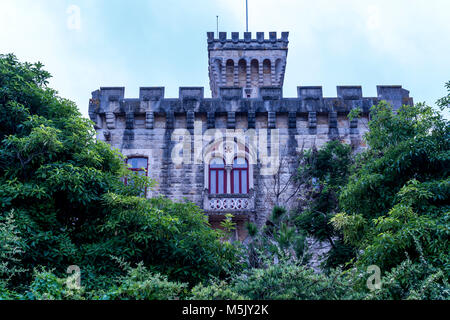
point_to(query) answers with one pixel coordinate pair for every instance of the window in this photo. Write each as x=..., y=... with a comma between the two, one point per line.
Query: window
x=267, y=72
x=139, y=166
x=239, y=176
x=230, y=72
x=254, y=73
x=217, y=176
x=242, y=66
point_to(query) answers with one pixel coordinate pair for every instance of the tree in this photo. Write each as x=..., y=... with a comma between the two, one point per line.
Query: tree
x=282, y=187
x=70, y=204
x=322, y=174
x=278, y=240
x=396, y=204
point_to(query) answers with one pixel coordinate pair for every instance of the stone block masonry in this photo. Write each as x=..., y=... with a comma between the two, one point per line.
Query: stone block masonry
x=266, y=129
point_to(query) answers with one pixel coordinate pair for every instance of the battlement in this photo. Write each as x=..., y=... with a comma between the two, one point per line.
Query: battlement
x=247, y=42
x=394, y=93
x=110, y=100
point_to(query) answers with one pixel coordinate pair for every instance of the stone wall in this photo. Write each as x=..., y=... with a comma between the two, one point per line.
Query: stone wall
x=158, y=128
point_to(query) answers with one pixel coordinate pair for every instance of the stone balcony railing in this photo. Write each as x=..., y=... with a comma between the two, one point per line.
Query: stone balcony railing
x=229, y=203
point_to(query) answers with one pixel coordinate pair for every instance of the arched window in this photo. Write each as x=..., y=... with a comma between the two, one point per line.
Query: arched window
x=254, y=75
x=242, y=73
x=267, y=72
x=230, y=72
x=217, y=176
x=239, y=176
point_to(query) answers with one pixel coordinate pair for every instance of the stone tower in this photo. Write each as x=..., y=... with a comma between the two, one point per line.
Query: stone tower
x=246, y=63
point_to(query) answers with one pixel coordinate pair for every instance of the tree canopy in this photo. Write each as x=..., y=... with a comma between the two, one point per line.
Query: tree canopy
x=63, y=201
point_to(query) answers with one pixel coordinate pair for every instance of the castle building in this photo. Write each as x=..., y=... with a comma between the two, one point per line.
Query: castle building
x=236, y=152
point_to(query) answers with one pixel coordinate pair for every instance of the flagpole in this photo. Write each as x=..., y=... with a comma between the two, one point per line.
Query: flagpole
x=246, y=14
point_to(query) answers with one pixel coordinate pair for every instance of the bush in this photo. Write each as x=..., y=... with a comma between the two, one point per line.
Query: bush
x=413, y=281
x=11, y=250
x=278, y=239
x=282, y=281
x=47, y=286
x=141, y=284
x=216, y=290
x=6, y=294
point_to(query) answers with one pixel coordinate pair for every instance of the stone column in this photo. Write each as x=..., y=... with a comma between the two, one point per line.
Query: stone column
x=249, y=71
x=236, y=74
x=228, y=168
x=273, y=79
x=260, y=73
x=224, y=74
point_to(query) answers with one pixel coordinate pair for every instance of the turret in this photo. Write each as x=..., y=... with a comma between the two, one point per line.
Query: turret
x=246, y=63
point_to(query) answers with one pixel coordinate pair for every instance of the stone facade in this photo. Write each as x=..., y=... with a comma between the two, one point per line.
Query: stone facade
x=247, y=117
x=246, y=63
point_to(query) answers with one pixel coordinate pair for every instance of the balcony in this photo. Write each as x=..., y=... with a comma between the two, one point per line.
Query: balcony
x=236, y=204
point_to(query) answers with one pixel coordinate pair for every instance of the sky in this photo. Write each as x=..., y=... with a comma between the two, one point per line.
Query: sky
x=88, y=44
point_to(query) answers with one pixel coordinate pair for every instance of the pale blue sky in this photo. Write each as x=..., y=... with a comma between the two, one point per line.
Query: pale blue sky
x=138, y=43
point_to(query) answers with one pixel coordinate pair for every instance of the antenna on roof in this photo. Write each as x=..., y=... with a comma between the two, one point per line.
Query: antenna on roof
x=217, y=17
x=246, y=14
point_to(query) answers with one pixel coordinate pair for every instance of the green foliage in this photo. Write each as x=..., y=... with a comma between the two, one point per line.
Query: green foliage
x=6, y=294
x=354, y=114
x=396, y=204
x=330, y=164
x=71, y=206
x=11, y=250
x=141, y=284
x=410, y=144
x=173, y=238
x=278, y=239
x=290, y=281
x=216, y=290
x=277, y=214
x=47, y=286
x=352, y=226
x=323, y=173
x=251, y=228
x=444, y=102
x=413, y=281
x=285, y=280
x=228, y=225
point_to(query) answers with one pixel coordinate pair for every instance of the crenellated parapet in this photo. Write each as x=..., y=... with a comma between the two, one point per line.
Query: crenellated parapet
x=110, y=110
x=109, y=102
x=247, y=42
